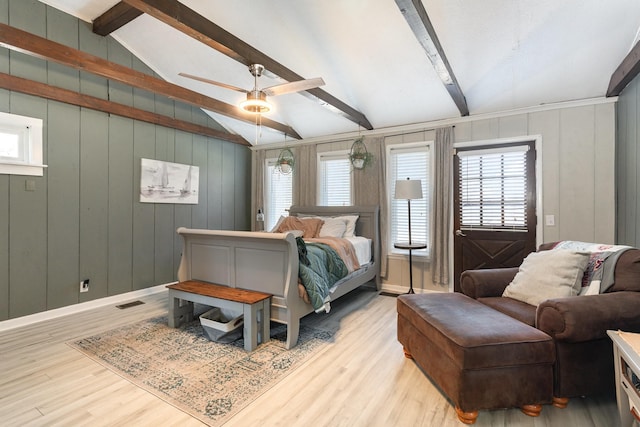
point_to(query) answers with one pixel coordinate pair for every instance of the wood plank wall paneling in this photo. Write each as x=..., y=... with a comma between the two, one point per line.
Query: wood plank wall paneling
x=94, y=206
x=84, y=219
x=627, y=158
x=577, y=178
x=547, y=123
x=604, y=154
x=577, y=201
x=63, y=204
x=200, y=156
x=4, y=186
x=214, y=188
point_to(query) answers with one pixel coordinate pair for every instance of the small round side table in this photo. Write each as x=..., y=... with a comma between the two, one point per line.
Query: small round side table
x=410, y=247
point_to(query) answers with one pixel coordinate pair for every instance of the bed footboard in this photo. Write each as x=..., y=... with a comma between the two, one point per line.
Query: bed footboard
x=268, y=262
x=264, y=262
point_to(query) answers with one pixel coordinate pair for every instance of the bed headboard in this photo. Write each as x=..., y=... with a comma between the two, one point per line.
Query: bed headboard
x=368, y=224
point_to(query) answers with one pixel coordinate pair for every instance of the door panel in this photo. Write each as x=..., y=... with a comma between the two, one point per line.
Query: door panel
x=493, y=246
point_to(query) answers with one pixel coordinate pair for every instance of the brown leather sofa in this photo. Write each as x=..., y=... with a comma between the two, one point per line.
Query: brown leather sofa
x=577, y=325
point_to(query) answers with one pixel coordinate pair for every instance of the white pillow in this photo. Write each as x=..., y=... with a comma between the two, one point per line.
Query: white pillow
x=332, y=227
x=351, y=224
x=548, y=274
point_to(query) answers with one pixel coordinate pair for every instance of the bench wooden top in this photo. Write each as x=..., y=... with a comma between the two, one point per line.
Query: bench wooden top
x=218, y=291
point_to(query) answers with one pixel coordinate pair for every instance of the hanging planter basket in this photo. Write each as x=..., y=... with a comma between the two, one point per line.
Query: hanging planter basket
x=285, y=162
x=359, y=156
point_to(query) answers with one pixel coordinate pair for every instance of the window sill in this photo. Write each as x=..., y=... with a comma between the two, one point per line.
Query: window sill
x=21, y=169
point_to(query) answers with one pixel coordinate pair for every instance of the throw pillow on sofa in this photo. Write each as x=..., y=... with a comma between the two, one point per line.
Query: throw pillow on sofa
x=546, y=275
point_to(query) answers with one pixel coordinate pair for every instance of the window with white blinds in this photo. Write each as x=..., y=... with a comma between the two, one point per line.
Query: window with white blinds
x=493, y=188
x=414, y=162
x=334, y=180
x=278, y=194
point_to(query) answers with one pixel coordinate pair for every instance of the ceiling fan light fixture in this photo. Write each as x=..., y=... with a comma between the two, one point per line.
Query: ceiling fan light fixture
x=256, y=103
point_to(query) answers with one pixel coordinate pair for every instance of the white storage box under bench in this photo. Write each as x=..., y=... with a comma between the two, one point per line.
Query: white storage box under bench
x=256, y=307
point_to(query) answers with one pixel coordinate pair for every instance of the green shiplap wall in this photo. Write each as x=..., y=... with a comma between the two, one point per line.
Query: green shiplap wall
x=84, y=219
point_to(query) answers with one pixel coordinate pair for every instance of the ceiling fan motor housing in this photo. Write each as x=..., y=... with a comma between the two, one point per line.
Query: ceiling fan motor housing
x=256, y=102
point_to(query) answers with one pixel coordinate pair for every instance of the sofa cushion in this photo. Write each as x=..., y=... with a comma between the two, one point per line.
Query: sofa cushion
x=548, y=274
x=526, y=313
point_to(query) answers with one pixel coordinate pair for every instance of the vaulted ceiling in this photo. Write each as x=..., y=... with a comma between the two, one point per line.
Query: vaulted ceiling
x=501, y=55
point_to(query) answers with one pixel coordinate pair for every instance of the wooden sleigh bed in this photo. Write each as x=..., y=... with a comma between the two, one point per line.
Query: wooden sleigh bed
x=268, y=262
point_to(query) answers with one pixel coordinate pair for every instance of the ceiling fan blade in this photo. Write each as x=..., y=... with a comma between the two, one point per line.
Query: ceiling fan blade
x=298, y=86
x=213, y=82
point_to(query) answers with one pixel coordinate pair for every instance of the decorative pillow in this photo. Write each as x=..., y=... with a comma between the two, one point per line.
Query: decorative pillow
x=548, y=274
x=296, y=233
x=351, y=224
x=310, y=227
x=275, y=227
x=333, y=227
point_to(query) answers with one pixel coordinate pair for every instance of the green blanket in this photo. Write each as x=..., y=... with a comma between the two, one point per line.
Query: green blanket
x=320, y=268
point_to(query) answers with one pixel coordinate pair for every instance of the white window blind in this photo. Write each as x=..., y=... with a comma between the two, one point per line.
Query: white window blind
x=278, y=194
x=412, y=162
x=493, y=188
x=334, y=181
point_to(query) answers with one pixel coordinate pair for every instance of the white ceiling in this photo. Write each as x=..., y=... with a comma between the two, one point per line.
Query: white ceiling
x=505, y=54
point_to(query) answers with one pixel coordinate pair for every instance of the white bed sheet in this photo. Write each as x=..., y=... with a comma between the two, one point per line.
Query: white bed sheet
x=362, y=246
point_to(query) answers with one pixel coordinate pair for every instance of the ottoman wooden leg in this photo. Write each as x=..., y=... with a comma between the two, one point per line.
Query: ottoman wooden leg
x=467, y=417
x=407, y=353
x=560, y=402
x=532, y=410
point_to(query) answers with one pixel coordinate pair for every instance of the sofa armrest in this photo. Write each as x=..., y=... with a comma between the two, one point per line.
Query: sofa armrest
x=588, y=317
x=486, y=283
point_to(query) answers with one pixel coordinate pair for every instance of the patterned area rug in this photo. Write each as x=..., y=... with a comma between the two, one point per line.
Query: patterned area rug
x=210, y=381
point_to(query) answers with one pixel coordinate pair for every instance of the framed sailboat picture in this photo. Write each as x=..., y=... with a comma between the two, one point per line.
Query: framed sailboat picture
x=166, y=182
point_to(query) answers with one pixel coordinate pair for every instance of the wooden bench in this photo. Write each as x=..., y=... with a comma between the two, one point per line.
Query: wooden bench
x=256, y=307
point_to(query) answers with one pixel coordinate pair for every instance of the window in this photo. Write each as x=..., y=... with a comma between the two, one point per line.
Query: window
x=334, y=180
x=20, y=145
x=493, y=188
x=278, y=194
x=409, y=161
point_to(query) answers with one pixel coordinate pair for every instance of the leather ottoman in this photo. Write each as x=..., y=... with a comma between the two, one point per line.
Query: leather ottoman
x=480, y=358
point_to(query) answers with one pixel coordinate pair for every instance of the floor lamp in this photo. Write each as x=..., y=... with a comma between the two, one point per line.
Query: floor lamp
x=409, y=189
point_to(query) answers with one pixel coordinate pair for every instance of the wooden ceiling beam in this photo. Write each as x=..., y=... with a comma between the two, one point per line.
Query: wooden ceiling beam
x=42, y=90
x=114, y=18
x=626, y=71
x=419, y=22
x=30, y=44
x=186, y=20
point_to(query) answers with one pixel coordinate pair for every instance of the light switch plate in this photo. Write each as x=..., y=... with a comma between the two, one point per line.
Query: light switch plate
x=550, y=220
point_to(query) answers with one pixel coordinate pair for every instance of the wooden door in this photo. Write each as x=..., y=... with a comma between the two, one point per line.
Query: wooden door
x=494, y=206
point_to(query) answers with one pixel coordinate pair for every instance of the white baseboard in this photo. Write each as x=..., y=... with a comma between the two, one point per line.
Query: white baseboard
x=5, y=325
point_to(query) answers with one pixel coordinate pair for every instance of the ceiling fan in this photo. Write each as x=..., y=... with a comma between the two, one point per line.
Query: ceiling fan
x=256, y=101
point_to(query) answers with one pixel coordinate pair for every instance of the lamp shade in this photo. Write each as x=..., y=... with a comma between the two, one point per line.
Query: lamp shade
x=408, y=189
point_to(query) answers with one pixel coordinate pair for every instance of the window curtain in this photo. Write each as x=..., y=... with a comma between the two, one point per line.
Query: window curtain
x=442, y=201
x=259, y=158
x=370, y=188
x=305, y=175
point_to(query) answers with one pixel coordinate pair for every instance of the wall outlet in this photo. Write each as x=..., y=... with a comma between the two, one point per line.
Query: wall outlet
x=84, y=285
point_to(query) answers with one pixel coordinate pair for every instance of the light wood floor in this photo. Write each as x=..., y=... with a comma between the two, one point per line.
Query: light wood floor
x=360, y=379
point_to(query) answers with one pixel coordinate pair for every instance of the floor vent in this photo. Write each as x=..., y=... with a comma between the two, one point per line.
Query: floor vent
x=129, y=304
